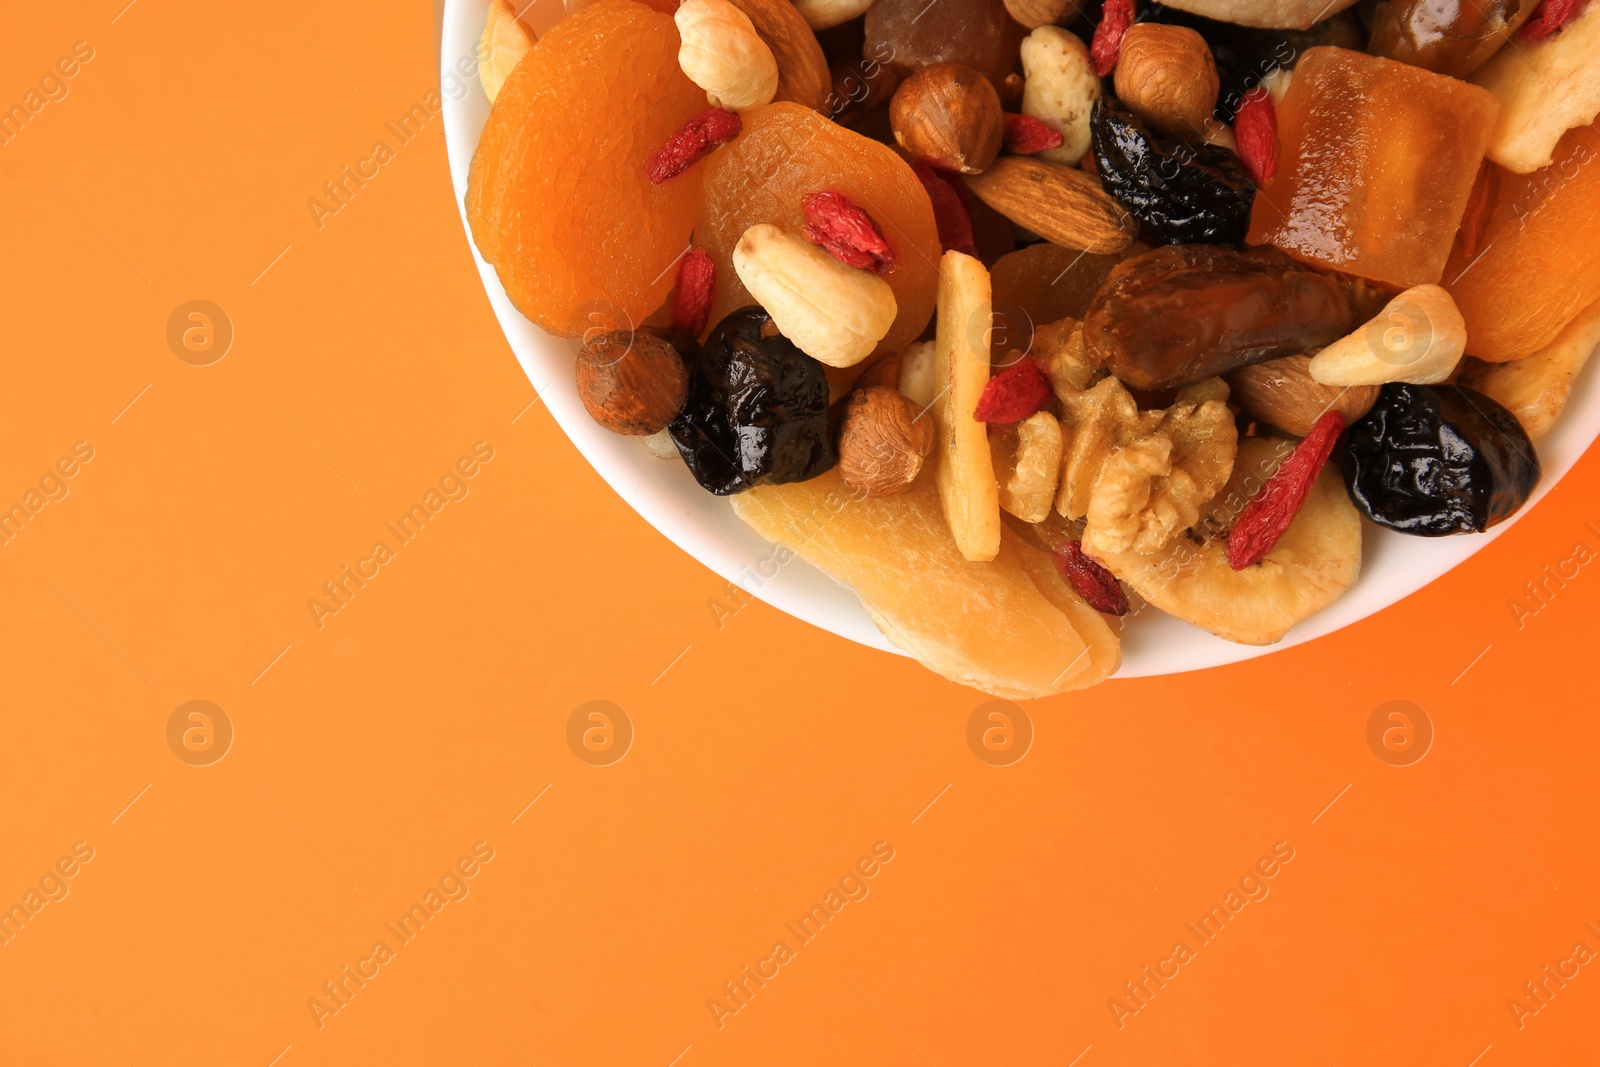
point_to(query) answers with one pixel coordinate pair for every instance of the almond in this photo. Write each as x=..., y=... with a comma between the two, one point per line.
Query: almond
x=1282, y=393
x=802, y=68
x=1061, y=204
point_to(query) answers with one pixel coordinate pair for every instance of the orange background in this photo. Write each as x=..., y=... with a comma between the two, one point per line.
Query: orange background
x=372, y=754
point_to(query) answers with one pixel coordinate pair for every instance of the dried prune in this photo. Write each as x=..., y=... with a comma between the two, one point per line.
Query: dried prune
x=1246, y=56
x=1176, y=315
x=1189, y=193
x=1438, y=459
x=757, y=409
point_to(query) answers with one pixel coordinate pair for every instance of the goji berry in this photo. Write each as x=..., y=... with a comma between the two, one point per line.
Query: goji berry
x=1098, y=586
x=1549, y=17
x=1026, y=135
x=949, y=210
x=1014, y=393
x=1269, y=513
x=1107, y=46
x=697, y=278
x=1255, y=128
x=693, y=142
x=835, y=223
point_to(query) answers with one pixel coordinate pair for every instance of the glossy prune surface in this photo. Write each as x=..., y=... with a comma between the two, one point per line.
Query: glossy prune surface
x=1189, y=193
x=757, y=409
x=1438, y=459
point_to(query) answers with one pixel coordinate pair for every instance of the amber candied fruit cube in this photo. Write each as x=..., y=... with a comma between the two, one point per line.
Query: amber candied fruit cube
x=1376, y=161
x=1528, y=257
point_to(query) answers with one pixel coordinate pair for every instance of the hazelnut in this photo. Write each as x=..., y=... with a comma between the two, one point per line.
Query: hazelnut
x=1167, y=75
x=631, y=383
x=948, y=115
x=1282, y=393
x=883, y=442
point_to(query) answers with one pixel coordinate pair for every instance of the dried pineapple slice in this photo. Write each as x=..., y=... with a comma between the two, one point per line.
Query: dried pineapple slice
x=1316, y=560
x=504, y=42
x=1010, y=626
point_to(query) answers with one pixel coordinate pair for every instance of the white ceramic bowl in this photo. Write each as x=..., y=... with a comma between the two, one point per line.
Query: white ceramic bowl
x=704, y=526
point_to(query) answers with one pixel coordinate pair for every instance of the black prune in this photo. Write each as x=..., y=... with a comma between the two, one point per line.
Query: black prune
x=757, y=409
x=1438, y=459
x=1245, y=56
x=1189, y=193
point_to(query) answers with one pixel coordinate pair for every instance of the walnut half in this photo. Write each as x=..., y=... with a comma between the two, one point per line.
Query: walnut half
x=1138, y=478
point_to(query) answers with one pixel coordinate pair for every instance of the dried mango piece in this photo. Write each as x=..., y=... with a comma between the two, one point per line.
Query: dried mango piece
x=558, y=198
x=1010, y=626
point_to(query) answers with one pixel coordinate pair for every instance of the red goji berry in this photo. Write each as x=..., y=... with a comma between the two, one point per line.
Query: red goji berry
x=1549, y=17
x=1255, y=128
x=1107, y=46
x=693, y=142
x=697, y=278
x=1090, y=580
x=835, y=223
x=949, y=210
x=1026, y=135
x=1269, y=513
x=1014, y=393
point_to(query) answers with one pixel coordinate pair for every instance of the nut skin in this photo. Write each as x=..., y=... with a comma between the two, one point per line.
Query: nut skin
x=1036, y=13
x=948, y=115
x=1282, y=393
x=631, y=383
x=1168, y=77
x=883, y=442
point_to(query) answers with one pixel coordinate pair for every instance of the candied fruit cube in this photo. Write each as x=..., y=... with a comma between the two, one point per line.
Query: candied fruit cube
x=1376, y=162
x=1527, y=260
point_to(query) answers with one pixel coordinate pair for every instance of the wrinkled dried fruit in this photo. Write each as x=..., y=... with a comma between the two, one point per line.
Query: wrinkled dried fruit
x=1091, y=581
x=590, y=241
x=834, y=222
x=1014, y=393
x=1451, y=37
x=1107, y=46
x=1026, y=135
x=1256, y=131
x=697, y=281
x=694, y=141
x=1268, y=515
x=1190, y=193
x=1180, y=314
x=1550, y=17
x=1438, y=459
x=757, y=410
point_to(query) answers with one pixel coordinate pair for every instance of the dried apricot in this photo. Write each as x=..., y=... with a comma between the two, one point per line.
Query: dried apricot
x=788, y=152
x=1531, y=260
x=559, y=200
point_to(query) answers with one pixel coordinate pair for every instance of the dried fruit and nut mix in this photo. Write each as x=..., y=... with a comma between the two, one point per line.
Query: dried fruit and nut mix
x=1000, y=311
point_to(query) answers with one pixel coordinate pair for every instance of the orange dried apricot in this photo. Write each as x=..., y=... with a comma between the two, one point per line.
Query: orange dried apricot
x=1527, y=259
x=788, y=151
x=558, y=199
